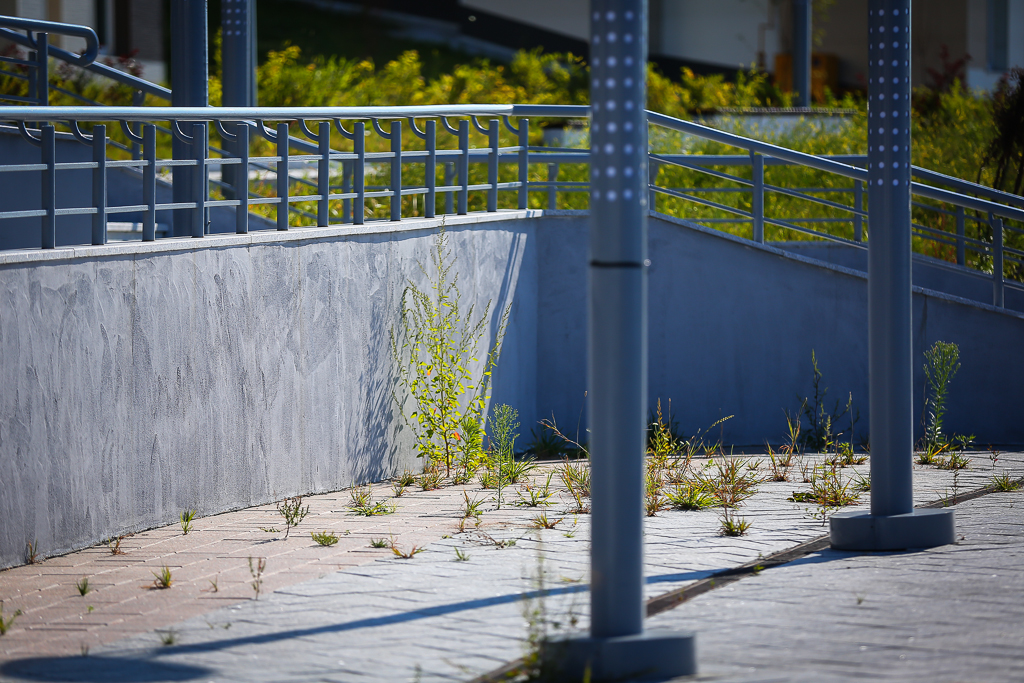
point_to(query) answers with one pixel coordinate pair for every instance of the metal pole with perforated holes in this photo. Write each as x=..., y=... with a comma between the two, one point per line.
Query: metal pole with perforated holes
x=618, y=648
x=892, y=523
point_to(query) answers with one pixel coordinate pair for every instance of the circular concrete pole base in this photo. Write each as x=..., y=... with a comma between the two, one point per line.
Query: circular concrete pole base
x=918, y=529
x=653, y=655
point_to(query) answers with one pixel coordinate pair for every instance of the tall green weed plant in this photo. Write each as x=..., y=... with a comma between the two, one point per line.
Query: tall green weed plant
x=435, y=350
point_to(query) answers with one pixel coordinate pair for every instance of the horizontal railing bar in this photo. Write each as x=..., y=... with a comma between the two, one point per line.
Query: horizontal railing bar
x=703, y=202
x=198, y=114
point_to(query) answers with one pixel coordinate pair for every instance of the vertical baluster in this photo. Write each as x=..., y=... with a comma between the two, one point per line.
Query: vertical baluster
x=199, y=180
x=99, y=184
x=524, y=163
x=858, y=204
x=149, y=182
x=346, y=187
x=49, y=188
x=449, y=178
x=323, y=176
x=652, y=180
x=757, y=196
x=359, y=208
x=463, y=167
x=138, y=99
x=961, y=256
x=997, y=260
x=242, y=179
x=43, y=69
x=396, y=170
x=552, y=188
x=283, y=183
x=492, y=165
x=430, y=169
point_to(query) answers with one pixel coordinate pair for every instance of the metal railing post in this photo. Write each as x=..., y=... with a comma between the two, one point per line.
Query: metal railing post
x=359, y=180
x=149, y=182
x=99, y=184
x=997, y=261
x=492, y=165
x=199, y=178
x=43, y=69
x=858, y=204
x=283, y=183
x=463, y=167
x=49, y=186
x=242, y=179
x=757, y=196
x=961, y=255
x=430, y=169
x=323, y=174
x=346, y=187
x=524, y=163
x=396, y=170
x=552, y=187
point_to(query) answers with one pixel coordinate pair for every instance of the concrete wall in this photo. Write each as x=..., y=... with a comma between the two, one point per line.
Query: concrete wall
x=732, y=327
x=142, y=379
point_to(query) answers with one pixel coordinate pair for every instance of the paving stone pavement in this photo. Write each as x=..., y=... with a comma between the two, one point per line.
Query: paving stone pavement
x=381, y=618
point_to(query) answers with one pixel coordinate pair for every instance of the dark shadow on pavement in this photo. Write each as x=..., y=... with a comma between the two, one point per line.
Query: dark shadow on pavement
x=100, y=670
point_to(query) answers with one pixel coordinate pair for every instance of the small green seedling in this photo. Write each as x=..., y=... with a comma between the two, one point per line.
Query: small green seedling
x=163, y=579
x=256, y=571
x=168, y=638
x=734, y=526
x=542, y=521
x=471, y=508
x=32, y=552
x=293, y=512
x=270, y=529
x=379, y=543
x=461, y=556
x=324, y=538
x=114, y=545
x=5, y=623
x=83, y=586
x=1004, y=483
x=186, y=518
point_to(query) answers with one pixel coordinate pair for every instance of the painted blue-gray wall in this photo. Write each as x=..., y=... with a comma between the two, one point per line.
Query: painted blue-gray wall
x=141, y=379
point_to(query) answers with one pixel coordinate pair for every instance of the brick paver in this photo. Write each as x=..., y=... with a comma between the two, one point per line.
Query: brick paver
x=355, y=613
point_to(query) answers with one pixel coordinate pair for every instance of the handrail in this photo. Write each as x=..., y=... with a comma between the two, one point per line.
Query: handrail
x=55, y=114
x=92, y=43
x=86, y=60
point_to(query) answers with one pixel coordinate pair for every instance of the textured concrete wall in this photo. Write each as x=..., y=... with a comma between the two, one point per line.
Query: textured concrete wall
x=732, y=327
x=142, y=379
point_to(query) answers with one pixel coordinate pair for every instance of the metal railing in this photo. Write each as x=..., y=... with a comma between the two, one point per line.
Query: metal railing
x=355, y=156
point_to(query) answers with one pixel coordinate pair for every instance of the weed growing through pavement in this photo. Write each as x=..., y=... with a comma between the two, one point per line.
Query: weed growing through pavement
x=820, y=420
x=461, y=556
x=830, y=490
x=431, y=479
x=779, y=464
x=6, y=622
x=324, y=538
x=471, y=508
x=163, y=579
x=1004, y=483
x=114, y=545
x=214, y=588
x=293, y=512
x=955, y=461
x=168, y=638
x=542, y=521
x=731, y=525
x=407, y=478
x=727, y=483
x=83, y=586
x=690, y=495
x=502, y=459
x=270, y=529
x=398, y=488
x=575, y=476
x=32, y=552
x=186, y=518
x=406, y=555
x=362, y=503
x=256, y=572
x=379, y=543
x=83, y=649
x=941, y=363
x=434, y=351
x=531, y=495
